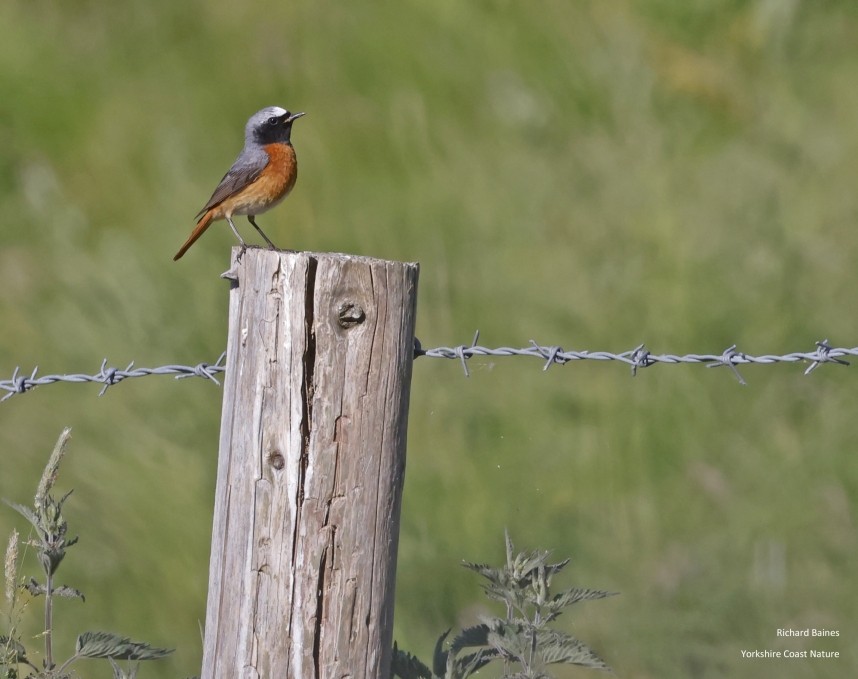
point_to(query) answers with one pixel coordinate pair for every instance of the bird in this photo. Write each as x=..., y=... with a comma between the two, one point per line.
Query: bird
x=260, y=178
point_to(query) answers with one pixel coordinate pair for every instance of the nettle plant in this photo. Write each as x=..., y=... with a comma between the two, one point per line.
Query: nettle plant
x=521, y=641
x=50, y=541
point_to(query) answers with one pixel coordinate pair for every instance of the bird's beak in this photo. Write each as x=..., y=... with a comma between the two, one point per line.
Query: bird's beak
x=293, y=118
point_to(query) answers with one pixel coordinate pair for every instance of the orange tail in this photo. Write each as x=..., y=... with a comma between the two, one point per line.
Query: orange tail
x=202, y=225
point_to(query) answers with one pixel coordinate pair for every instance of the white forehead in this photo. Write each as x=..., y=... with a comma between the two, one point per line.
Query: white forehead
x=261, y=117
x=274, y=111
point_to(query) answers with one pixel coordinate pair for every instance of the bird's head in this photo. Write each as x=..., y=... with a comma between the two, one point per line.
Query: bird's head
x=271, y=125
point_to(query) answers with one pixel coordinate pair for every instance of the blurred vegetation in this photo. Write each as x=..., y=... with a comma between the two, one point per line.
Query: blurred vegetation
x=49, y=545
x=522, y=641
x=588, y=174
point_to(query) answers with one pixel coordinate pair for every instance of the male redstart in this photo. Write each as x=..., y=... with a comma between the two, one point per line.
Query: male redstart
x=262, y=175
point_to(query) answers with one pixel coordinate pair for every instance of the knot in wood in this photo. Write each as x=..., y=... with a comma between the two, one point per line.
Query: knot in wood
x=276, y=459
x=350, y=314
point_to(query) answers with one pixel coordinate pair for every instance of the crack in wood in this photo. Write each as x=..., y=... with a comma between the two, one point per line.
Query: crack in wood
x=308, y=368
x=320, y=601
x=308, y=365
x=276, y=286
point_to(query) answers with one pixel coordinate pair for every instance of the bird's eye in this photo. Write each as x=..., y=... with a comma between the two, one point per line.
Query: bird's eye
x=272, y=120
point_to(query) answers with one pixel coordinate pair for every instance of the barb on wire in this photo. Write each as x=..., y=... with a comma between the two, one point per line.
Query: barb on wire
x=637, y=358
x=108, y=376
x=727, y=358
x=824, y=351
x=640, y=359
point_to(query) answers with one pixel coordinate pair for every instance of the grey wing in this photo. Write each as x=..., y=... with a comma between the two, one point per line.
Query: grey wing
x=243, y=172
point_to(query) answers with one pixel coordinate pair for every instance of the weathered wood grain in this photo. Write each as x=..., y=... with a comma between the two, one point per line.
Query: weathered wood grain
x=310, y=467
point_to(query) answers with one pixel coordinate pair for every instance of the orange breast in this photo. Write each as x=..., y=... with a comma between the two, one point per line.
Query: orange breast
x=273, y=184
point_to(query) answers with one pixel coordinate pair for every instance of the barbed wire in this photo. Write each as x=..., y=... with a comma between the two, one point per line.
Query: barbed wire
x=640, y=356
x=108, y=376
x=637, y=358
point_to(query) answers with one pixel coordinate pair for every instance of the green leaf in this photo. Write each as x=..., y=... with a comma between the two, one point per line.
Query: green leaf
x=511, y=640
x=558, y=647
x=107, y=645
x=34, y=587
x=524, y=564
x=51, y=557
x=509, y=546
x=119, y=673
x=59, y=505
x=12, y=652
x=406, y=666
x=472, y=636
x=440, y=656
x=493, y=575
x=504, y=592
x=576, y=594
x=552, y=569
x=26, y=512
x=69, y=592
x=469, y=664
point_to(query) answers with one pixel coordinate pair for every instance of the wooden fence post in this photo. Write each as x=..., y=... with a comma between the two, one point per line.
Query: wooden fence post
x=311, y=467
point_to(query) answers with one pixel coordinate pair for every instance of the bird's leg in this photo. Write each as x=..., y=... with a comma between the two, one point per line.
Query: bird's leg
x=240, y=239
x=250, y=218
x=237, y=234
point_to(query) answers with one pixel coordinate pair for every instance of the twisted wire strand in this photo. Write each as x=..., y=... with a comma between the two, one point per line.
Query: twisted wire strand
x=108, y=376
x=640, y=356
x=637, y=358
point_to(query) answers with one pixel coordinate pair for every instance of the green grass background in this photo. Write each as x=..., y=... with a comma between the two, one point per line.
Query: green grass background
x=589, y=174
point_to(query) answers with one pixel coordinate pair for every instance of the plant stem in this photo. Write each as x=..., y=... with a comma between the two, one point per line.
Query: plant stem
x=506, y=663
x=62, y=668
x=49, y=622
